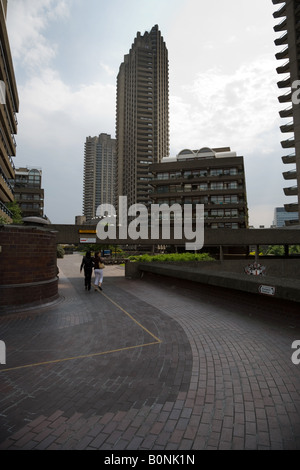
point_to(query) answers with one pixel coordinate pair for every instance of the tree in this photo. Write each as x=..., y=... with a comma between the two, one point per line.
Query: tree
x=16, y=212
x=277, y=250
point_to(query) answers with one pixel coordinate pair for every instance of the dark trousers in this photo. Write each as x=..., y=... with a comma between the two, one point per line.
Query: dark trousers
x=87, y=278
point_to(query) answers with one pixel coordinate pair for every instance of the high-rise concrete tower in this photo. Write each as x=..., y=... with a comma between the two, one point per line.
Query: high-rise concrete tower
x=289, y=30
x=142, y=121
x=99, y=174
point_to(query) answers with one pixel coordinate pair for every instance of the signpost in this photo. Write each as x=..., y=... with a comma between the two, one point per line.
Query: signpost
x=89, y=236
x=266, y=290
x=87, y=240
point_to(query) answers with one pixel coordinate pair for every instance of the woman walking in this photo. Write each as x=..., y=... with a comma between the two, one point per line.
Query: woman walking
x=87, y=265
x=98, y=270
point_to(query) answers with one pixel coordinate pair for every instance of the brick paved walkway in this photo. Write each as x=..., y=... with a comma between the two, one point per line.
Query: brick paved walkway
x=151, y=364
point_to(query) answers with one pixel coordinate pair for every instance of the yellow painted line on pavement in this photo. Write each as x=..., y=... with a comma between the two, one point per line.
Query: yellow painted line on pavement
x=84, y=356
x=131, y=317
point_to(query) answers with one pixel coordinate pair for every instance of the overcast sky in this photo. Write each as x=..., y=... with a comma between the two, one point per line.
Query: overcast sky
x=222, y=76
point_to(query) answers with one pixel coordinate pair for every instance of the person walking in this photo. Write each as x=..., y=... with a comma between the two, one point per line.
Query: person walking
x=87, y=265
x=98, y=270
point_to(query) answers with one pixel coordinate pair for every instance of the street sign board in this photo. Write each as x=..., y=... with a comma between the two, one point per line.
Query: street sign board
x=266, y=290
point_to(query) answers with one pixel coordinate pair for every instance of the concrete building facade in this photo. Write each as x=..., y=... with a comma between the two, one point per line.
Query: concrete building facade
x=289, y=30
x=99, y=173
x=213, y=177
x=281, y=216
x=142, y=117
x=9, y=107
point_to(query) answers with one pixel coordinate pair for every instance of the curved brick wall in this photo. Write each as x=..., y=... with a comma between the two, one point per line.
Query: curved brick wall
x=27, y=266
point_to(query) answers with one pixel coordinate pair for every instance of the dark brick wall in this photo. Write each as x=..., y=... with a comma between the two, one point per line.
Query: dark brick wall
x=28, y=266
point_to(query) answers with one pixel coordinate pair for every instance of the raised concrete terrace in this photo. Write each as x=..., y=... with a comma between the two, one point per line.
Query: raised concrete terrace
x=156, y=363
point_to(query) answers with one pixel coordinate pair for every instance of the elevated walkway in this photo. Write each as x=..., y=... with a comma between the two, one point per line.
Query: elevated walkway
x=218, y=274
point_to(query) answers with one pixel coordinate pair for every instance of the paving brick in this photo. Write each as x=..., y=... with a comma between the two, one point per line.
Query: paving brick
x=210, y=383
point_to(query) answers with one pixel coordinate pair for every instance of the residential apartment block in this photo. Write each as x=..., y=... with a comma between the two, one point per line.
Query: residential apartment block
x=213, y=177
x=9, y=106
x=142, y=117
x=289, y=39
x=28, y=191
x=99, y=174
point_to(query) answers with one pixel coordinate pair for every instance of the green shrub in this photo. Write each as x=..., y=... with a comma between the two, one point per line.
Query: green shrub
x=60, y=252
x=172, y=257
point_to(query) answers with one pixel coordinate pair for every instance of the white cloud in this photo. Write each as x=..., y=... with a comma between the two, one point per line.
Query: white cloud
x=236, y=110
x=28, y=19
x=111, y=72
x=222, y=92
x=53, y=126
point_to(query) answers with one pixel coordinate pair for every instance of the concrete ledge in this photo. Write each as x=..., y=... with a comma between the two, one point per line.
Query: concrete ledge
x=288, y=289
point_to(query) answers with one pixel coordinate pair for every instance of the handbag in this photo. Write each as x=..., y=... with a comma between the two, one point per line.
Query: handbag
x=101, y=266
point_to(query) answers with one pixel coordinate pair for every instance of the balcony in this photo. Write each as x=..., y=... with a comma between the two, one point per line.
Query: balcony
x=291, y=158
x=285, y=83
x=294, y=207
x=287, y=127
x=292, y=191
x=290, y=175
x=288, y=143
x=280, y=13
x=281, y=26
x=291, y=223
x=288, y=112
x=285, y=98
x=5, y=211
x=282, y=40
x=285, y=68
x=284, y=54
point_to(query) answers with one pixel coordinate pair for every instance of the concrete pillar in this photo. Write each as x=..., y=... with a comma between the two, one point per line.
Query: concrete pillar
x=256, y=253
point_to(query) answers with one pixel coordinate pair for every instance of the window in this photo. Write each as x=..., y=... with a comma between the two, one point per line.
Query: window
x=162, y=176
x=233, y=199
x=215, y=185
x=216, y=172
x=231, y=185
x=217, y=213
x=174, y=188
x=175, y=175
x=34, y=178
x=230, y=171
x=231, y=213
x=217, y=199
x=163, y=189
x=162, y=201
